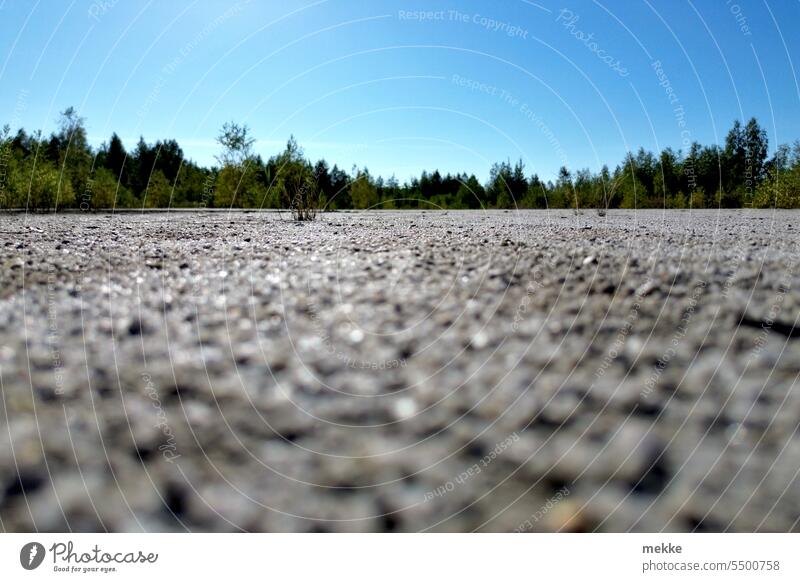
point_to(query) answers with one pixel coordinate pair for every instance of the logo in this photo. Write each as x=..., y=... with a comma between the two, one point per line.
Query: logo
x=31, y=555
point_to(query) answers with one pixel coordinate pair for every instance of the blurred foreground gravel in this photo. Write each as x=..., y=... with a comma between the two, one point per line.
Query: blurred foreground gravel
x=441, y=371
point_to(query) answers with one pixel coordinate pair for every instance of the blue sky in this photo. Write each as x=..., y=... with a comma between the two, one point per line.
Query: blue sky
x=377, y=84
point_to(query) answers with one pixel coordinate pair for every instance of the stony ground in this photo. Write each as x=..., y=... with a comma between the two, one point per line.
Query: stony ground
x=492, y=371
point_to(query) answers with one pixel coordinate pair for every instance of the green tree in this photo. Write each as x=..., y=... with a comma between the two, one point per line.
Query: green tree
x=362, y=190
x=159, y=191
x=562, y=195
x=734, y=158
x=471, y=193
x=114, y=158
x=75, y=156
x=340, y=186
x=627, y=187
x=47, y=190
x=142, y=162
x=756, y=145
x=666, y=182
x=236, y=144
x=8, y=169
x=536, y=195
x=507, y=186
x=238, y=182
x=781, y=186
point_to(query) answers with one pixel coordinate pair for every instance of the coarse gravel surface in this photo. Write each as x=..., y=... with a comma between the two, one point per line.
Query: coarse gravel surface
x=400, y=371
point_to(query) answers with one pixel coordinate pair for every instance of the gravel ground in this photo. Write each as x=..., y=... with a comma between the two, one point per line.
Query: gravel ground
x=400, y=371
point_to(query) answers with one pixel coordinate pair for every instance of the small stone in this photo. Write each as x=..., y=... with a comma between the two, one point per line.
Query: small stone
x=404, y=408
x=645, y=289
x=15, y=263
x=480, y=340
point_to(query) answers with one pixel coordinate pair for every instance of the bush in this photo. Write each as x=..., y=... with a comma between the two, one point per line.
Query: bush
x=676, y=201
x=697, y=199
x=159, y=192
x=362, y=191
x=41, y=186
x=779, y=192
x=104, y=190
x=296, y=183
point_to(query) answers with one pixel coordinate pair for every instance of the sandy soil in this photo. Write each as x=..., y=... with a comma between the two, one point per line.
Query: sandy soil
x=493, y=371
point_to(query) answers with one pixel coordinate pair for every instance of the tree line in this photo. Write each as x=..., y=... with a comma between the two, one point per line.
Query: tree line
x=61, y=170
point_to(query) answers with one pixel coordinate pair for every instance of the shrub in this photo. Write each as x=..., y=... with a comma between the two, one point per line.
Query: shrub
x=362, y=191
x=782, y=191
x=104, y=190
x=296, y=183
x=41, y=186
x=159, y=192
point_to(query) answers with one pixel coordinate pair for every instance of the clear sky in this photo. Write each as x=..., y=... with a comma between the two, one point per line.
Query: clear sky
x=375, y=83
